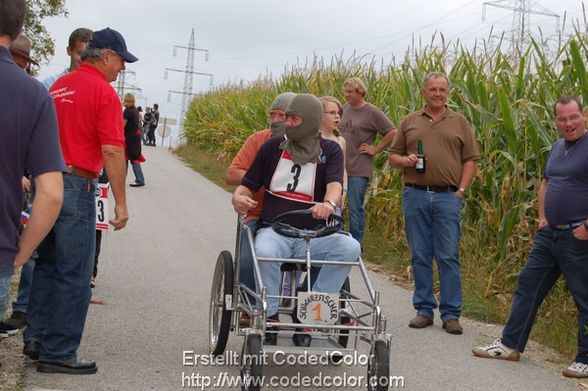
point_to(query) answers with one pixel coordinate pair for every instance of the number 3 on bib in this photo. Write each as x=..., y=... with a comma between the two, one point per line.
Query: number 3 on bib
x=293, y=181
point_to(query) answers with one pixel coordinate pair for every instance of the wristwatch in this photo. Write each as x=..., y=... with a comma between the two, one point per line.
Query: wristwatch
x=463, y=190
x=332, y=203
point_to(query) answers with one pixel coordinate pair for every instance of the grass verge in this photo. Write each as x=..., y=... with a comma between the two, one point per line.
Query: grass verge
x=205, y=163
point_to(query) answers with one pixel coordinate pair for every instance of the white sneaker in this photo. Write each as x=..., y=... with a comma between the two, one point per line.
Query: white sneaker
x=577, y=370
x=497, y=350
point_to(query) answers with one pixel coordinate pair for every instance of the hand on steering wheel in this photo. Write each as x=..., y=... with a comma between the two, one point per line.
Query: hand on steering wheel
x=332, y=224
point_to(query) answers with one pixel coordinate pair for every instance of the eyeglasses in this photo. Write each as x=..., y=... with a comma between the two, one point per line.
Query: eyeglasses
x=573, y=117
x=333, y=113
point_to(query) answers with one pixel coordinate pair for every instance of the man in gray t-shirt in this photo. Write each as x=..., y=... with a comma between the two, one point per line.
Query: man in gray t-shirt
x=561, y=244
x=360, y=124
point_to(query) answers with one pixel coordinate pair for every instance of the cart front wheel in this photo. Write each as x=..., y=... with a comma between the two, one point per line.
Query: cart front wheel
x=378, y=372
x=251, y=363
x=219, y=321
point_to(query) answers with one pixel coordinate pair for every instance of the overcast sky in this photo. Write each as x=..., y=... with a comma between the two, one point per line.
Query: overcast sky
x=249, y=38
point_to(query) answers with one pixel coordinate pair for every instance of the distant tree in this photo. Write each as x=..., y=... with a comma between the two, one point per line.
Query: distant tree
x=42, y=43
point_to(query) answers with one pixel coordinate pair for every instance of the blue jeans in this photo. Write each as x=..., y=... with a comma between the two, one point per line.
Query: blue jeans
x=339, y=247
x=144, y=133
x=139, y=178
x=554, y=252
x=432, y=224
x=24, y=285
x=356, y=187
x=61, y=293
x=4, y=294
x=246, y=273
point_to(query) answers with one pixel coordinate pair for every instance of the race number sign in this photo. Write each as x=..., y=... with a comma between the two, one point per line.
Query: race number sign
x=318, y=308
x=293, y=181
x=102, y=207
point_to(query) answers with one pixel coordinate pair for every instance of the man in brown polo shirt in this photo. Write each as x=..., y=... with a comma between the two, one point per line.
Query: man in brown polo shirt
x=432, y=198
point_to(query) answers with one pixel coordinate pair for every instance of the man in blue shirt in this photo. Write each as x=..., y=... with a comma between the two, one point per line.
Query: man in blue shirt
x=78, y=40
x=28, y=129
x=561, y=244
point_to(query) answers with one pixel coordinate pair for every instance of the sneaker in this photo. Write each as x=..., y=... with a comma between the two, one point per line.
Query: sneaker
x=7, y=330
x=497, y=350
x=17, y=320
x=577, y=370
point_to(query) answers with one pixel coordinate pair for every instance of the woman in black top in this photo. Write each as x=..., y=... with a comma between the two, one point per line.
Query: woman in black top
x=133, y=139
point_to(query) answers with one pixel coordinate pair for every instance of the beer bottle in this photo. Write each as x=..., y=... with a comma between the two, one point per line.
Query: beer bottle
x=420, y=164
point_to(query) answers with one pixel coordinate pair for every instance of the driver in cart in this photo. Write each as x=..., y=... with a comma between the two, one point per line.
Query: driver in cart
x=304, y=171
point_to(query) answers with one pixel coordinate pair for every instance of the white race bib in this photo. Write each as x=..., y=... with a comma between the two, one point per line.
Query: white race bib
x=102, y=207
x=293, y=181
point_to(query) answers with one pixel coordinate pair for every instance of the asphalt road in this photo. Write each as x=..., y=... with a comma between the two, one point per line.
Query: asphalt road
x=155, y=277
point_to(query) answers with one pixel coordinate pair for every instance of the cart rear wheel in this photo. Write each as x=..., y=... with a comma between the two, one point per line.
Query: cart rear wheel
x=219, y=321
x=251, y=363
x=379, y=367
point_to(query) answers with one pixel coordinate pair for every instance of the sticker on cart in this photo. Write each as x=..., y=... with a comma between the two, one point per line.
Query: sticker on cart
x=102, y=207
x=318, y=308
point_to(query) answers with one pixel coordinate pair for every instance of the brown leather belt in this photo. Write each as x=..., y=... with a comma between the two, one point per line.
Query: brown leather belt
x=81, y=172
x=433, y=189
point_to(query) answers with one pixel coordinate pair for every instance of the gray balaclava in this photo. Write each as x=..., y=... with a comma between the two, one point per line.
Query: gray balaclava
x=302, y=142
x=280, y=103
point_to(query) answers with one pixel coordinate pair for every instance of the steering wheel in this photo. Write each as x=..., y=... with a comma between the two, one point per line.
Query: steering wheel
x=333, y=224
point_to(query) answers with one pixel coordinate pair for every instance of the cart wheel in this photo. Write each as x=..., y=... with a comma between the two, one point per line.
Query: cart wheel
x=378, y=372
x=251, y=363
x=343, y=335
x=219, y=317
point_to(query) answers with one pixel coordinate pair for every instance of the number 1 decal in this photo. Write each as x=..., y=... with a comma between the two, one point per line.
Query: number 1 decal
x=317, y=310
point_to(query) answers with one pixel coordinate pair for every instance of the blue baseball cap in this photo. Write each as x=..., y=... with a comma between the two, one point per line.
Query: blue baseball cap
x=113, y=40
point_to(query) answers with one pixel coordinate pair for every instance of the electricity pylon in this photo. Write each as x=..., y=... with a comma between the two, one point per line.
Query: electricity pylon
x=521, y=20
x=188, y=78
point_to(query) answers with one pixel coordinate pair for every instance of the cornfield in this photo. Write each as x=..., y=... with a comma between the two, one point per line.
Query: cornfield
x=509, y=104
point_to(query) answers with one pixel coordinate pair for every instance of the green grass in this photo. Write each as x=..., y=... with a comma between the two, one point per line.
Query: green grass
x=205, y=163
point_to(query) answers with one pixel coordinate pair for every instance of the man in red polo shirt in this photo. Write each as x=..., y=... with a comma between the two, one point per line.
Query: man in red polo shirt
x=91, y=136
